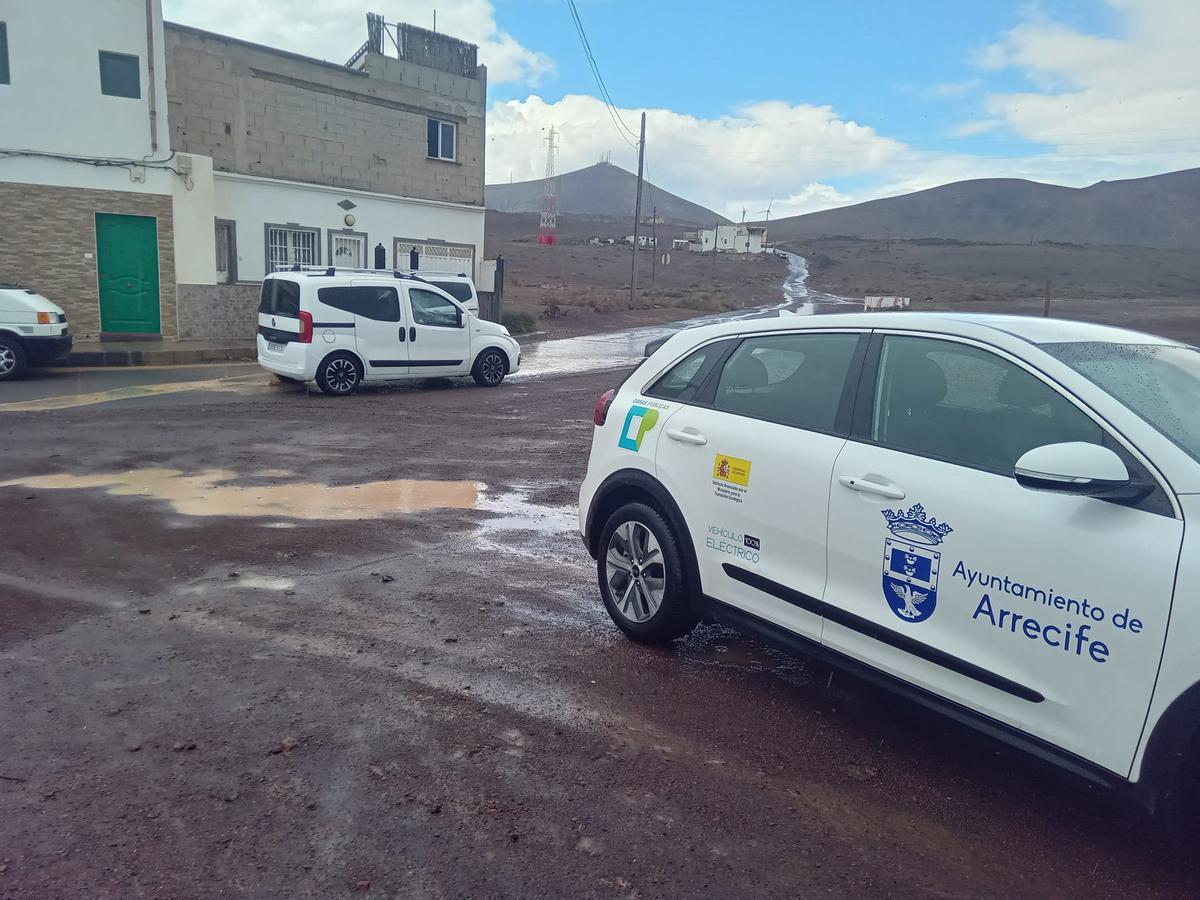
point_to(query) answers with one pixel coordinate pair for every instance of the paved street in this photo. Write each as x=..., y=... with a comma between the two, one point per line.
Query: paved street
x=260, y=642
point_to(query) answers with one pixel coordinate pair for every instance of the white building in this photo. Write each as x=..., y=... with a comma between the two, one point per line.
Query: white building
x=160, y=172
x=730, y=239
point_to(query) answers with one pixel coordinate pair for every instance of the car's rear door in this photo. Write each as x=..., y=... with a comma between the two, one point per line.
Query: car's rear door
x=1043, y=611
x=373, y=314
x=279, y=324
x=749, y=462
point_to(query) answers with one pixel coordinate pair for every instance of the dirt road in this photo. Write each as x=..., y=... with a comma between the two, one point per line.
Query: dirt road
x=256, y=642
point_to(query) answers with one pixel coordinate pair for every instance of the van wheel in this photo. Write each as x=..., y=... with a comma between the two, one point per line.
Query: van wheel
x=12, y=358
x=339, y=374
x=490, y=368
x=642, y=576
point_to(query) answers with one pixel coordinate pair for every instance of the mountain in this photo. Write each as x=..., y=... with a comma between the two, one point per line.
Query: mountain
x=602, y=191
x=1159, y=211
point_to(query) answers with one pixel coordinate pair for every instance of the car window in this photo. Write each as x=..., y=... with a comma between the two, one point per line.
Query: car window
x=279, y=298
x=792, y=379
x=379, y=303
x=430, y=308
x=684, y=378
x=968, y=406
x=459, y=290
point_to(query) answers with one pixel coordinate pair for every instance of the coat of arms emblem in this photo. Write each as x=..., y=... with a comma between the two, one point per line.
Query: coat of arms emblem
x=910, y=567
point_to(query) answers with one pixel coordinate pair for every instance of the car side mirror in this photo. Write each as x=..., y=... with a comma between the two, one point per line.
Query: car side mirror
x=1086, y=470
x=458, y=317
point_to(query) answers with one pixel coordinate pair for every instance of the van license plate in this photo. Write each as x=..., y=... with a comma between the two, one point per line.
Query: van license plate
x=275, y=348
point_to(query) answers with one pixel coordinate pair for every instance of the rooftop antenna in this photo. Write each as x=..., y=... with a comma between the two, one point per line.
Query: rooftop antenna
x=548, y=226
x=435, y=21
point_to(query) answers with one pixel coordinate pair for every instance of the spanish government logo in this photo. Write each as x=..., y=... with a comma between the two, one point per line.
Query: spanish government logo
x=910, y=567
x=638, y=423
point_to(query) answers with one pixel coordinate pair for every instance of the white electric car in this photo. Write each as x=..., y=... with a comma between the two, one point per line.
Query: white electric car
x=341, y=327
x=997, y=515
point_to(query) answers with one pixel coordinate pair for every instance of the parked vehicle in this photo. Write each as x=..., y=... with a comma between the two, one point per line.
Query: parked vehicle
x=33, y=331
x=461, y=287
x=341, y=327
x=986, y=513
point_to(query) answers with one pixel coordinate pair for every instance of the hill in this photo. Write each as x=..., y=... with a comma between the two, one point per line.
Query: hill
x=1159, y=211
x=600, y=191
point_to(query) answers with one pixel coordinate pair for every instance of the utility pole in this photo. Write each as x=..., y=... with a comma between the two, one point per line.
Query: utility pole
x=1046, y=303
x=637, y=214
x=716, y=231
x=654, y=241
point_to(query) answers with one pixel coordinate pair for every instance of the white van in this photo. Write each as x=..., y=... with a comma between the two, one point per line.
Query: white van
x=461, y=287
x=33, y=331
x=994, y=515
x=341, y=327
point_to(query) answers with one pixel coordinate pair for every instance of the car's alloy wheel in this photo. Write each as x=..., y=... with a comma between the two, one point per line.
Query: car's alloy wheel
x=635, y=571
x=8, y=361
x=12, y=358
x=340, y=375
x=489, y=371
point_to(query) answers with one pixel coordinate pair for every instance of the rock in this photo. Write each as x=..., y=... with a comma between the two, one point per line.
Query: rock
x=451, y=640
x=144, y=611
x=362, y=886
x=386, y=579
x=133, y=748
x=376, y=771
x=233, y=574
x=231, y=796
x=288, y=743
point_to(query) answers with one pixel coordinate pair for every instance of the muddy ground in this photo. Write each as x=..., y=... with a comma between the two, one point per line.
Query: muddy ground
x=230, y=673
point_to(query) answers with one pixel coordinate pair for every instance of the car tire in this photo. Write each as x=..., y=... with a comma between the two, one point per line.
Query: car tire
x=339, y=374
x=490, y=368
x=13, y=361
x=643, y=576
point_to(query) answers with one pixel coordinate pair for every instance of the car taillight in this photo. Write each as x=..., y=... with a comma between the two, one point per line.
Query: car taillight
x=305, y=328
x=602, y=406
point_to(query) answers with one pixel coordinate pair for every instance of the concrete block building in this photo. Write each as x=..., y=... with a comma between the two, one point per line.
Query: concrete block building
x=226, y=160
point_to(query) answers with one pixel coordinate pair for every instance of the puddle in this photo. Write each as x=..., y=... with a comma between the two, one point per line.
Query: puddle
x=233, y=384
x=214, y=493
x=727, y=649
x=514, y=512
x=624, y=348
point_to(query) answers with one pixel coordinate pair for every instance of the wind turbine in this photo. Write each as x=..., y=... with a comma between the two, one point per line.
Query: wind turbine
x=767, y=211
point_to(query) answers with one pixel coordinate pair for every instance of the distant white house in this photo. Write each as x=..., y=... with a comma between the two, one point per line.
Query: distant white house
x=643, y=240
x=680, y=244
x=740, y=238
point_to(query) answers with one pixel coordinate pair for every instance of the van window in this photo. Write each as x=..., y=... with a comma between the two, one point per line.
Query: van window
x=459, y=290
x=966, y=405
x=279, y=298
x=429, y=308
x=379, y=303
x=792, y=379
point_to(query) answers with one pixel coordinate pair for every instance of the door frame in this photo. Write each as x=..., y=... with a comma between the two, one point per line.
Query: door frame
x=138, y=335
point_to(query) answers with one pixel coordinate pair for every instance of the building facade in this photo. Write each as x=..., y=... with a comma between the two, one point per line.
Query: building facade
x=224, y=160
x=737, y=238
x=86, y=170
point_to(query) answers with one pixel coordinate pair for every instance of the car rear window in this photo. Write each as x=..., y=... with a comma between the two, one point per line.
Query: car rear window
x=459, y=290
x=279, y=298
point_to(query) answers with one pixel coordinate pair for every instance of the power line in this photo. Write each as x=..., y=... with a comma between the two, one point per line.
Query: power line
x=605, y=96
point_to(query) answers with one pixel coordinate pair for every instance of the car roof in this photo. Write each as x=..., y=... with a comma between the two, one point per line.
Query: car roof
x=1029, y=328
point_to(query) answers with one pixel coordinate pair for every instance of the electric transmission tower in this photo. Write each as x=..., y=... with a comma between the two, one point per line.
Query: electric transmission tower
x=548, y=227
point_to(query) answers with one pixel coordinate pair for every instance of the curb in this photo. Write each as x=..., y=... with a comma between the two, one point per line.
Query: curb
x=88, y=358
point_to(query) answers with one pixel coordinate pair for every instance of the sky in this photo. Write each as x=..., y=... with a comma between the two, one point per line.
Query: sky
x=802, y=106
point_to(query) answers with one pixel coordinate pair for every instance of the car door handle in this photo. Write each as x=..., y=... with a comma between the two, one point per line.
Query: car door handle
x=687, y=437
x=412, y=335
x=402, y=334
x=858, y=483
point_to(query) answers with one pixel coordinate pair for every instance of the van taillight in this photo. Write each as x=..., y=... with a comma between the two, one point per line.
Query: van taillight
x=305, y=328
x=602, y=406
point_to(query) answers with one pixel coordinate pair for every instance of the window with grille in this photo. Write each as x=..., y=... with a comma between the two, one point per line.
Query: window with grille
x=291, y=245
x=443, y=136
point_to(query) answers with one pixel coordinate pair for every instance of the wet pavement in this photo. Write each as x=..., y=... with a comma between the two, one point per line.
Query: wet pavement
x=258, y=642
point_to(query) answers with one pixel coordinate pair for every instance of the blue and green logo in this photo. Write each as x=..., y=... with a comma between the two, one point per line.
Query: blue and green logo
x=638, y=424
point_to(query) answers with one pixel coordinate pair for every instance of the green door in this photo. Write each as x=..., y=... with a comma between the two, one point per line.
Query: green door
x=127, y=263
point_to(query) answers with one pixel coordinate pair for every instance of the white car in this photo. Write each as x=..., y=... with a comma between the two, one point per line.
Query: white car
x=997, y=515
x=342, y=327
x=461, y=287
x=33, y=331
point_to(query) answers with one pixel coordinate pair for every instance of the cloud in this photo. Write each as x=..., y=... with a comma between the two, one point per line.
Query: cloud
x=334, y=29
x=951, y=89
x=1134, y=94
x=764, y=150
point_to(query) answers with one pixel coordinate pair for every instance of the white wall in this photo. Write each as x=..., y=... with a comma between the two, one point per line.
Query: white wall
x=253, y=202
x=193, y=210
x=54, y=103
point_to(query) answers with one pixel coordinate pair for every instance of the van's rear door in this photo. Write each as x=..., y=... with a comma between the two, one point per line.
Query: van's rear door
x=279, y=313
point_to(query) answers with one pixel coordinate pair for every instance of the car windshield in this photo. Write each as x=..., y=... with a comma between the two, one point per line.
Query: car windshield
x=1158, y=382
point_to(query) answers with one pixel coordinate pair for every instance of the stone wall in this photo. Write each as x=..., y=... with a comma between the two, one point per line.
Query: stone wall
x=46, y=231
x=217, y=312
x=260, y=111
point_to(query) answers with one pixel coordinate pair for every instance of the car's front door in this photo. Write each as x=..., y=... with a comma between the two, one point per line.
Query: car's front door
x=1044, y=611
x=373, y=315
x=439, y=342
x=749, y=462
